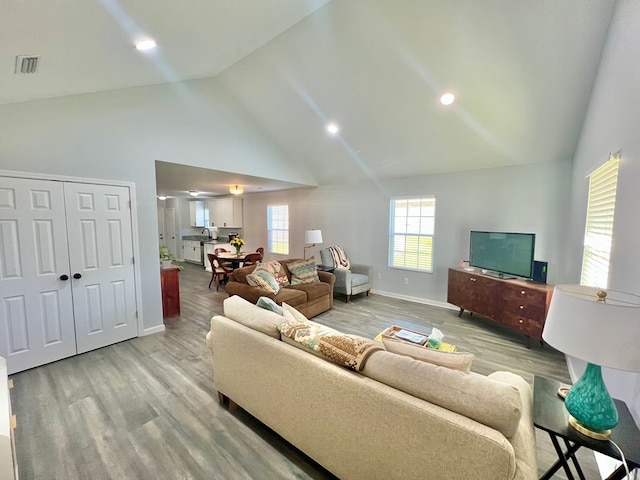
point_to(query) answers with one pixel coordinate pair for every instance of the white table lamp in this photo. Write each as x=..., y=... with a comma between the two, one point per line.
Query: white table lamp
x=312, y=237
x=602, y=328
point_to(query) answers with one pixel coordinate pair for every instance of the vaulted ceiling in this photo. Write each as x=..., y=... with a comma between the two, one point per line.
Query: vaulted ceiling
x=522, y=72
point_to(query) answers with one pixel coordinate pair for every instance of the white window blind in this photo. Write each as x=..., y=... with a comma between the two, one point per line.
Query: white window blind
x=278, y=229
x=598, y=233
x=411, y=231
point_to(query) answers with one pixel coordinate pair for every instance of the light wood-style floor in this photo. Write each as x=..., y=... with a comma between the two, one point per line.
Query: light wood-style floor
x=146, y=408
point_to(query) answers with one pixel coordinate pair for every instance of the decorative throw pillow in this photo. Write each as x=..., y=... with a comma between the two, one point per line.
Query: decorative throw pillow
x=268, y=304
x=303, y=271
x=455, y=360
x=263, y=280
x=292, y=315
x=277, y=270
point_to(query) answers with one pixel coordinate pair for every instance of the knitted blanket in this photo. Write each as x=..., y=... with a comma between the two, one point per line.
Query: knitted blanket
x=349, y=351
x=340, y=259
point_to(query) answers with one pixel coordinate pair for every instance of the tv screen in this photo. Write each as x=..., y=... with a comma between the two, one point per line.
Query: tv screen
x=502, y=252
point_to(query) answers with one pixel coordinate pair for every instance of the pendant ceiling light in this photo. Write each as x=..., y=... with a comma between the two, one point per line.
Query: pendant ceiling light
x=236, y=189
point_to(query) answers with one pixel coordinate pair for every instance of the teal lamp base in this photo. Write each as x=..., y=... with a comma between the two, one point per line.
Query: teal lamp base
x=592, y=410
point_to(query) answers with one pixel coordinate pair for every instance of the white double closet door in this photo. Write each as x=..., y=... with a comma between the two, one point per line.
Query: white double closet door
x=66, y=270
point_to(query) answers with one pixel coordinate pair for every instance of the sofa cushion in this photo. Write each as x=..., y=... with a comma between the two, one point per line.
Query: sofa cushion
x=358, y=279
x=246, y=313
x=291, y=296
x=263, y=279
x=456, y=360
x=268, y=304
x=240, y=274
x=303, y=271
x=277, y=270
x=291, y=315
x=475, y=396
x=313, y=290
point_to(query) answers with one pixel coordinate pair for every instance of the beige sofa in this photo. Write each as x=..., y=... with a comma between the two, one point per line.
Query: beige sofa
x=399, y=418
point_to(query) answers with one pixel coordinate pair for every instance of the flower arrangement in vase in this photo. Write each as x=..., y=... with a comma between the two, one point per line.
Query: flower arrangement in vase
x=238, y=243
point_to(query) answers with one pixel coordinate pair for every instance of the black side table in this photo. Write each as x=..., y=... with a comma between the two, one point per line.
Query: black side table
x=325, y=268
x=550, y=415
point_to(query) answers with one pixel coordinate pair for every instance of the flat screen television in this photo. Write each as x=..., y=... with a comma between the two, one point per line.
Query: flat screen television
x=503, y=254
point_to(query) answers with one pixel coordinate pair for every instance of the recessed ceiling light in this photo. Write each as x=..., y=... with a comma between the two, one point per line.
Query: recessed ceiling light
x=447, y=98
x=162, y=197
x=194, y=193
x=332, y=128
x=146, y=44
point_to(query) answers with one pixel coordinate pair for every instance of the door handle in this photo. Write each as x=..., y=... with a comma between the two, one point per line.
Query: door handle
x=77, y=275
x=64, y=277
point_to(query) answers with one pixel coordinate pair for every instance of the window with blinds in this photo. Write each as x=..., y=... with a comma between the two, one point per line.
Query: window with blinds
x=278, y=229
x=411, y=232
x=598, y=233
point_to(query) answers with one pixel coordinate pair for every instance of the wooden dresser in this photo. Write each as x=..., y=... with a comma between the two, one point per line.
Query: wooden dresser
x=518, y=304
x=170, y=283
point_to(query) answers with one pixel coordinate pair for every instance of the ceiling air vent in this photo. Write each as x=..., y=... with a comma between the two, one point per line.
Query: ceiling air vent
x=27, y=64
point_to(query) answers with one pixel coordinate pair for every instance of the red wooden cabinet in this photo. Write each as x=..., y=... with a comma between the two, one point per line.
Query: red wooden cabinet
x=170, y=282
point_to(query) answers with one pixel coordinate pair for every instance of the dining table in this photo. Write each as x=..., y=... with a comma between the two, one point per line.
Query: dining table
x=234, y=259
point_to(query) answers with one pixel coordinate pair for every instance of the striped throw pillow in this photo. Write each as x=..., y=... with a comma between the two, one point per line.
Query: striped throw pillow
x=264, y=280
x=303, y=271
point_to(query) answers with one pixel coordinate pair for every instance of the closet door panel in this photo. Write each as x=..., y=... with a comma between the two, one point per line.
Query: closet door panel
x=101, y=246
x=36, y=309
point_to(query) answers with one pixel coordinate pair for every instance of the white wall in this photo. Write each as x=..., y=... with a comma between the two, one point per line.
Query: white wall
x=118, y=135
x=611, y=124
x=531, y=198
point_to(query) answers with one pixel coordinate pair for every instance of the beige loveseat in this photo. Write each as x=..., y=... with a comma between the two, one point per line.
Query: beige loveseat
x=311, y=299
x=399, y=418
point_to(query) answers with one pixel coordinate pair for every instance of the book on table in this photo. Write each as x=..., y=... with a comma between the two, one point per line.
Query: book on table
x=411, y=336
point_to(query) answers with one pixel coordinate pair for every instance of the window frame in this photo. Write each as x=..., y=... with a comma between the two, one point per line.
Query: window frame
x=394, y=235
x=271, y=231
x=598, y=229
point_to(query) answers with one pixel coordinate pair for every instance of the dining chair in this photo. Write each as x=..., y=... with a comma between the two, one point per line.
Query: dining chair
x=218, y=269
x=260, y=250
x=220, y=250
x=251, y=259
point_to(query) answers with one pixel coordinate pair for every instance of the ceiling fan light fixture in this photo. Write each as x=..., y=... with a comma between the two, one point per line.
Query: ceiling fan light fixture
x=236, y=189
x=194, y=193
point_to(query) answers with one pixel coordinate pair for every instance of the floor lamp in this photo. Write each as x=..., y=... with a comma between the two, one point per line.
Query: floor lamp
x=602, y=328
x=311, y=237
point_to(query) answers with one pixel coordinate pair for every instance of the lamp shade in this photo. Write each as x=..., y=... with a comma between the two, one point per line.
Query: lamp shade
x=313, y=236
x=599, y=331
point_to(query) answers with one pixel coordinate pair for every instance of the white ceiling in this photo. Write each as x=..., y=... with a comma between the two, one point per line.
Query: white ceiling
x=522, y=69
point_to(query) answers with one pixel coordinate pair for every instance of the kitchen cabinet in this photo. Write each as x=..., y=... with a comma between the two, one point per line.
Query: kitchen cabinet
x=517, y=304
x=192, y=251
x=225, y=212
x=197, y=213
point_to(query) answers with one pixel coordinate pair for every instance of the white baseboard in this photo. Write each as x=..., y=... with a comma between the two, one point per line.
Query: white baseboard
x=424, y=301
x=152, y=330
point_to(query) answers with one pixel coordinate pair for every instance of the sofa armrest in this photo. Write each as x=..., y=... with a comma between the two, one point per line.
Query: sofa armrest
x=248, y=292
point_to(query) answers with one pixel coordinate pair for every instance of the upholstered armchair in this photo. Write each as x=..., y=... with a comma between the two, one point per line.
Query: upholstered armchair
x=351, y=279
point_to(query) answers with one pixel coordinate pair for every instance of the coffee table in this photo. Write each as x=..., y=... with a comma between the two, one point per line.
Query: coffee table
x=550, y=415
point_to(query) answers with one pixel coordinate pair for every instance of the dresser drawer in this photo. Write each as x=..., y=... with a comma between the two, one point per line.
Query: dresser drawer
x=524, y=296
